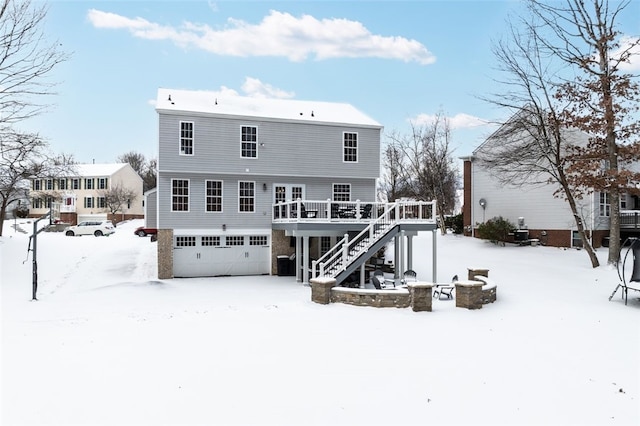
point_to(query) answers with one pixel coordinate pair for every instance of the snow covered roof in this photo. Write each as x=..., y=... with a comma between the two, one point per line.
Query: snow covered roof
x=92, y=170
x=279, y=109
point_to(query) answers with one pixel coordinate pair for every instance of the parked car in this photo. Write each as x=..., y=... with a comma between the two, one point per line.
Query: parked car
x=143, y=231
x=97, y=228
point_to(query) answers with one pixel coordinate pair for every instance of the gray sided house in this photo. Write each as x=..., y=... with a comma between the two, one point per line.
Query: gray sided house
x=243, y=182
x=533, y=208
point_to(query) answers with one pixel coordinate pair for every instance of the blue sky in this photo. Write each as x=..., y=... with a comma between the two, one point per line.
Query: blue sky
x=396, y=61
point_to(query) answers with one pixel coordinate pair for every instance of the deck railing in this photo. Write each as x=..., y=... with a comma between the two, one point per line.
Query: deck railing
x=630, y=219
x=351, y=211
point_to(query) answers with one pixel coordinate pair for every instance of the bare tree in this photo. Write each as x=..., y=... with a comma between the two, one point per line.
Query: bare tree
x=426, y=169
x=393, y=184
x=604, y=99
x=118, y=198
x=26, y=60
x=150, y=175
x=147, y=170
x=135, y=160
x=533, y=147
x=24, y=156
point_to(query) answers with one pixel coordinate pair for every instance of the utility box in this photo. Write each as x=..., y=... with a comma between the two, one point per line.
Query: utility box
x=285, y=267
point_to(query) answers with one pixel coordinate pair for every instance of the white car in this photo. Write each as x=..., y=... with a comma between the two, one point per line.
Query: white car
x=97, y=228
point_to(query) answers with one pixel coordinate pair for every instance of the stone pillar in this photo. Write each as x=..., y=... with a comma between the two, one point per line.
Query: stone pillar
x=321, y=289
x=421, y=296
x=469, y=294
x=477, y=271
x=165, y=254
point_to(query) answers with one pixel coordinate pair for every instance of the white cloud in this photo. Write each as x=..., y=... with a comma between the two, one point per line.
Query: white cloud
x=255, y=88
x=278, y=34
x=458, y=121
x=632, y=44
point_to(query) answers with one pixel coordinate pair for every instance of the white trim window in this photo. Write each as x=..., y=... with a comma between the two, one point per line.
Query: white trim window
x=605, y=205
x=102, y=183
x=179, y=195
x=186, y=138
x=89, y=202
x=49, y=184
x=213, y=197
x=75, y=183
x=246, y=196
x=249, y=142
x=350, y=147
x=89, y=183
x=62, y=184
x=102, y=203
x=37, y=185
x=341, y=192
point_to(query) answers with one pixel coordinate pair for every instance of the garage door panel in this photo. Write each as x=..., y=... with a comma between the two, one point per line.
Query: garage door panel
x=248, y=258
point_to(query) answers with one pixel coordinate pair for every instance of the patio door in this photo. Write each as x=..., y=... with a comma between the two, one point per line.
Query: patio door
x=287, y=192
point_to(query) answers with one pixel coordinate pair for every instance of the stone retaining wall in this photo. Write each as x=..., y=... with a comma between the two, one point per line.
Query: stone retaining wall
x=418, y=296
x=400, y=298
x=489, y=294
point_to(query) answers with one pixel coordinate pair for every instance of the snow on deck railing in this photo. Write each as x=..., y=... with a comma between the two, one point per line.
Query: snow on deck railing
x=351, y=211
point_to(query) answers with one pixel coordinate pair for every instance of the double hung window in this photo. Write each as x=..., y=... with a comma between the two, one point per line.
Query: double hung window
x=246, y=196
x=249, y=142
x=341, y=192
x=186, y=138
x=180, y=195
x=350, y=147
x=213, y=195
x=605, y=205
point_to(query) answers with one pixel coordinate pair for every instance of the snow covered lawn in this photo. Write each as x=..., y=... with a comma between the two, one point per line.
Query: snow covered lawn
x=107, y=343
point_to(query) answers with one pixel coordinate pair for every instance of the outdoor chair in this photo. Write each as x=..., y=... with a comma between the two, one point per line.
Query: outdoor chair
x=379, y=284
x=366, y=211
x=335, y=211
x=409, y=275
x=445, y=289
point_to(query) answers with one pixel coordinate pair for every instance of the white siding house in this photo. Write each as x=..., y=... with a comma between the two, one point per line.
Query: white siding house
x=231, y=170
x=81, y=195
x=534, y=207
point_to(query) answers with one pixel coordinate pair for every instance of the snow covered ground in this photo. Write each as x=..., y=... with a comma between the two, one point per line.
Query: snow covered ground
x=107, y=343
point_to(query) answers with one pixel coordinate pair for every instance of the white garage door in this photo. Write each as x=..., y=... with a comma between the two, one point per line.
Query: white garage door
x=215, y=255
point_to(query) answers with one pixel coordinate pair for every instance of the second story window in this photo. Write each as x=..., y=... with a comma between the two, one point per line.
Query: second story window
x=89, y=184
x=37, y=185
x=62, y=184
x=75, y=183
x=186, y=138
x=249, y=142
x=102, y=183
x=350, y=147
x=246, y=196
x=341, y=192
x=180, y=195
x=48, y=184
x=605, y=205
x=214, y=195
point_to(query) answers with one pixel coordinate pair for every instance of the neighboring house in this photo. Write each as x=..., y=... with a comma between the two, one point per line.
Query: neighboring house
x=81, y=196
x=534, y=208
x=232, y=169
